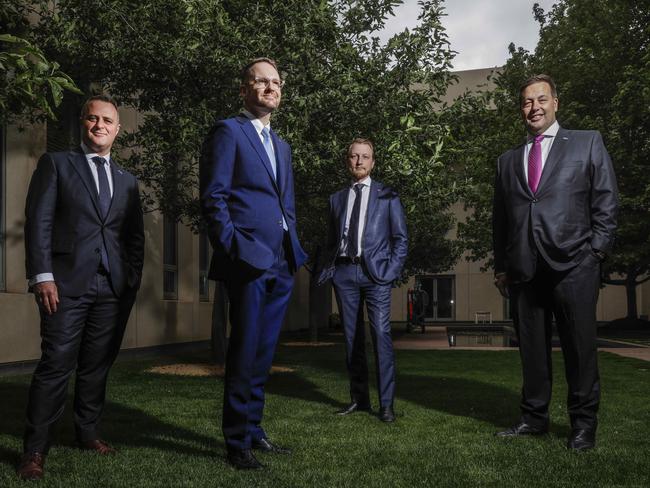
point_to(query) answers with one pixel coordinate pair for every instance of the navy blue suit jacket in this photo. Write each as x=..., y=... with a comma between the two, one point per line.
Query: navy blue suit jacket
x=242, y=204
x=573, y=211
x=64, y=231
x=384, y=241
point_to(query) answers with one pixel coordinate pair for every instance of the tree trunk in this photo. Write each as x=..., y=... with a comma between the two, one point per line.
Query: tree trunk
x=630, y=292
x=219, y=341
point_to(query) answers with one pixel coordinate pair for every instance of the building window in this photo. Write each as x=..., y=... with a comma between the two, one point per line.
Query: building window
x=204, y=264
x=170, y=259
x=2, y=208
x=441, y=292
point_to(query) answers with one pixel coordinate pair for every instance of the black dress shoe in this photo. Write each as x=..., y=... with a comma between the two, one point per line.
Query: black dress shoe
x=386, y=414
x=243, y=459
x=522, y=428
x=265, y=445
x=582, y=439
x=354, y=407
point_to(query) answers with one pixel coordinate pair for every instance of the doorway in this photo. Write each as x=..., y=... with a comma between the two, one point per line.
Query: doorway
x=440, y=290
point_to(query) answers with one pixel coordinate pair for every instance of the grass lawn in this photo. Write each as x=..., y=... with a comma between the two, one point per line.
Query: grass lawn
x=449, y=404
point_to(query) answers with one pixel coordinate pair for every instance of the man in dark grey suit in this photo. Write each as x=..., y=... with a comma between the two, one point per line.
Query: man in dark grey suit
x=554, y=217
x=366, y=251
x=84, y=245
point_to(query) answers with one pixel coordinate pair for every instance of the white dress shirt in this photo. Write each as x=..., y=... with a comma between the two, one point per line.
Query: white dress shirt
x=93, y=169
x=365, y=194
x=259, y=125
x=549, y=136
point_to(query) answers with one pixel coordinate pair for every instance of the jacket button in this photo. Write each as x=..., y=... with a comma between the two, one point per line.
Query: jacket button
x=279, y=222
x=97, y=250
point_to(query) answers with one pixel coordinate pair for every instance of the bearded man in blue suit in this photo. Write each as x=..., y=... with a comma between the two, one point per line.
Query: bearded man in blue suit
x=366, y=251
x=247, y=201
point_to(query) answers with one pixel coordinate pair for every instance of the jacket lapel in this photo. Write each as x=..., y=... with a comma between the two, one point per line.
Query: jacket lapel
x=341, y=213
x=254, y=139
x=119, y=188
x=80, y=164
x=375, y=189
x=518, y=163
x=554, y=156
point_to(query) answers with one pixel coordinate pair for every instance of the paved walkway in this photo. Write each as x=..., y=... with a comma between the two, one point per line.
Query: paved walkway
x=435, y=337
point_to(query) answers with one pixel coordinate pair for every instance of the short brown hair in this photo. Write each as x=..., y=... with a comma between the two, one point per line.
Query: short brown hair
x=362, y=140
x=541, y=78
x=246, y=70
x=97, y=98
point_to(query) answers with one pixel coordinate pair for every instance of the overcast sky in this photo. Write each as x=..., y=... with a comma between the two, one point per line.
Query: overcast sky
x=479, y=30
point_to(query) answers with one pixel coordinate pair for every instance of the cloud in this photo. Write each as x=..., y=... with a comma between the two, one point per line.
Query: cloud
x=479, y=30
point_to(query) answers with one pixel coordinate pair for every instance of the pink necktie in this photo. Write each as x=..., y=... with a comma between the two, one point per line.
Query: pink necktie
x=535, y=163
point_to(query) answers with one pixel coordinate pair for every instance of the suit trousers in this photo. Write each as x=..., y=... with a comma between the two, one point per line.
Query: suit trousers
x=570, y=296
x=258, y=303
x=353, y=288
x=84, y=334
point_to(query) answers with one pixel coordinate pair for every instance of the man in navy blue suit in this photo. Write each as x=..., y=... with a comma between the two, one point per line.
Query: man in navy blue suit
x=366, y=250
x=84, y=246
x=247, y=200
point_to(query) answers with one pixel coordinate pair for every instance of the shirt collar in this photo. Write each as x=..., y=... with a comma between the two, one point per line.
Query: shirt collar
x=365, y=182
x=550, y=132
x=257, y=123
x=90, y=155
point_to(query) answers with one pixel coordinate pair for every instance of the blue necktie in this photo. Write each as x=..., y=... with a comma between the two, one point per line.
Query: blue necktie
x=268, y=146
x=104, y=200
x=353, y=227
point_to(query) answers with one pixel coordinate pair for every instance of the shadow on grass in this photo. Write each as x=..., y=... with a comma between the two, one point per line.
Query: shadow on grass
x=122, y=425
x=295, y=386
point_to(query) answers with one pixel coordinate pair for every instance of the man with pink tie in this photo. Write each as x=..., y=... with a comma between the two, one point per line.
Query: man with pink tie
x=554, y=217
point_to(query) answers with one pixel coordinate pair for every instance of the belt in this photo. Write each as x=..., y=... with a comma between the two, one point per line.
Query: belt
x=348, y=260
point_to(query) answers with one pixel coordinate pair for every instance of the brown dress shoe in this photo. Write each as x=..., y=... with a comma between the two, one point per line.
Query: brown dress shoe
x=31, y=465
x=97, y=445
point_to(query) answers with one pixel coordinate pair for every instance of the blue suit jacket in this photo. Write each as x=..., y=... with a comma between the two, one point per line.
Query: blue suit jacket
x=384, y=240
x=242, y=204
x=64, y=231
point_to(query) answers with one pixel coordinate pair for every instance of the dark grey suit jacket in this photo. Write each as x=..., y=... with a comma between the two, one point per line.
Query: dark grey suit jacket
x=572, y=213
x=384, y=240
x=64, y=231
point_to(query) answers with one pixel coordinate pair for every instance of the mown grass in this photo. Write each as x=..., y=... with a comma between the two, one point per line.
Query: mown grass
x=449, y=404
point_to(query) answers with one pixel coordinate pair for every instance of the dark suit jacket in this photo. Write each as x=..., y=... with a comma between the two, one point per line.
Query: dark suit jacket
x=384, y=240
x=64, y=231
x=242, y=205
x=572, y=213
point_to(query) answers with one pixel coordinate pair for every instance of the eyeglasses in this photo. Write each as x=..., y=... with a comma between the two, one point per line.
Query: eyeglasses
x=265, y=82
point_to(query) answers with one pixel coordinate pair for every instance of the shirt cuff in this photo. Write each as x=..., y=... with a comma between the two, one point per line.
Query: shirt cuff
x=39, y=278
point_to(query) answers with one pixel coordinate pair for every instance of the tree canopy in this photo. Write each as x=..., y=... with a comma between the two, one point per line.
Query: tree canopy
x=177, y=63
x=31, y=86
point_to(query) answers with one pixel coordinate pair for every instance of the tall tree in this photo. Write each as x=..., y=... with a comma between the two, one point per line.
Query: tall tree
x=177, y=63
x=597, y=51
x=31, y=86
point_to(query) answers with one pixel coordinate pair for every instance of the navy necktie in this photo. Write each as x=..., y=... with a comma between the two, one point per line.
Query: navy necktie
x=353, y=228
x=104, y=188
x=104, y=200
